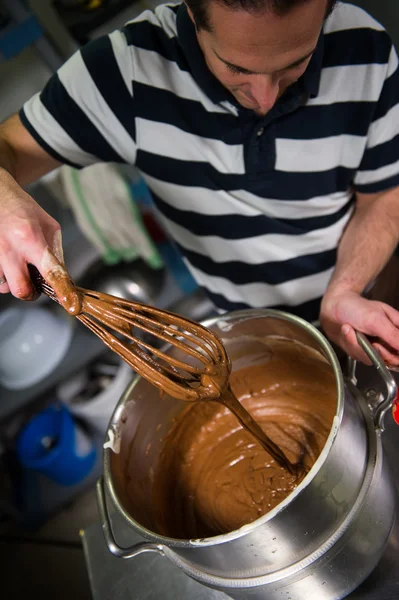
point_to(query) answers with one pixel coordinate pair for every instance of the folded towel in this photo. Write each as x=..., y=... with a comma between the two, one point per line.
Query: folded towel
x=107, y=214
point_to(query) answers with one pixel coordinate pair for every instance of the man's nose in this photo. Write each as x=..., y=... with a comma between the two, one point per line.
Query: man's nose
x=265, y=90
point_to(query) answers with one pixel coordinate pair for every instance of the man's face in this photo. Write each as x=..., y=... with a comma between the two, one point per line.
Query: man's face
x=256, y=56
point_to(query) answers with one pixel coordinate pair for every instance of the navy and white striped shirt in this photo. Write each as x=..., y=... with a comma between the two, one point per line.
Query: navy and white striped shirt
x=257, y=205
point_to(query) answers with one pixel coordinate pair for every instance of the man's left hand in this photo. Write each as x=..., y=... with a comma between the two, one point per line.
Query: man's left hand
x=343, y=313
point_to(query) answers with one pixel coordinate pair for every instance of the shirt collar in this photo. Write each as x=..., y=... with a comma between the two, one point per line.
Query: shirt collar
x=309, y=82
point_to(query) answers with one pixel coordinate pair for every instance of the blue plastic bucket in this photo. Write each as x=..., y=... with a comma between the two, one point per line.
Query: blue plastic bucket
x=54, y=444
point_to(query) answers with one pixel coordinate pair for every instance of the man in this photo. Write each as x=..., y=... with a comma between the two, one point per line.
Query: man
x=267, y=131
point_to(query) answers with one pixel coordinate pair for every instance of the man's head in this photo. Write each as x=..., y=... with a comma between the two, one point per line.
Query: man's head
x=258, y=48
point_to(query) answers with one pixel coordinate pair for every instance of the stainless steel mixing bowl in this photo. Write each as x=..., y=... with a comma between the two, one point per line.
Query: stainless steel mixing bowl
x=318, y=544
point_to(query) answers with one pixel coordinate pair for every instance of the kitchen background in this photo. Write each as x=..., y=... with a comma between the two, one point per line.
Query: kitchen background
x=42, y=512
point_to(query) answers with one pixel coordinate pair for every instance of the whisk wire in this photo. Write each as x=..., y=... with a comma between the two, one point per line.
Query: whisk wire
x=139, y=343
x=188, y=331
x=112, y=318
x=108, y=318
x=136, y=358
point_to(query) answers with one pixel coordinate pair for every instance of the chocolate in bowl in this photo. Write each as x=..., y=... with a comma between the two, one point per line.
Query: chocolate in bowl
x=212, y=476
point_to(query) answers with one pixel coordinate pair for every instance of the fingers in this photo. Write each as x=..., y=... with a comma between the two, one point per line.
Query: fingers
x=384, y=324
x=392, y=314
x=26, y=233
x=4, y=287
x=28, y=244
x=17, y=278
x=19, y=283
x=389, y=357
x=348, y=341
x=387, y=332
x=350, y=312
x=18, y=235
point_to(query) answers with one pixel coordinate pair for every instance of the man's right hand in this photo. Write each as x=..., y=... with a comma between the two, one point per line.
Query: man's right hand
x=27, y=233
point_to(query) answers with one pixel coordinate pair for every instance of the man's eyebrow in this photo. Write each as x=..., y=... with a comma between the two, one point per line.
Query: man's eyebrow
x=247, y=72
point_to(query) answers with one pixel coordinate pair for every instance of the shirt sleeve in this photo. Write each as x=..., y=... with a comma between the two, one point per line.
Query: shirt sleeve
x=379, y=169
x=85, y=114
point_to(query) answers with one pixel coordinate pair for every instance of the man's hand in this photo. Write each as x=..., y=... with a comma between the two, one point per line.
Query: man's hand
x=27, y=235
x=344, y=312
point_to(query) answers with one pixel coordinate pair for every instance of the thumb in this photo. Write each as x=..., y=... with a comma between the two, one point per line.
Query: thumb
x=57, y=276
x=57, y=248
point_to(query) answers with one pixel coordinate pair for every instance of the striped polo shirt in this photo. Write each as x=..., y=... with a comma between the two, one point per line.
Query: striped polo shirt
x=256, y=205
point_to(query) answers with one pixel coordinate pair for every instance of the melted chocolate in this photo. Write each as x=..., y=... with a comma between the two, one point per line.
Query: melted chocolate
x=230, y=401
x=212, y=477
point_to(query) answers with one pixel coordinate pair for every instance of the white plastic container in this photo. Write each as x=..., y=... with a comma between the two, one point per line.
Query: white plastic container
x=96, y=412
x=33, y=341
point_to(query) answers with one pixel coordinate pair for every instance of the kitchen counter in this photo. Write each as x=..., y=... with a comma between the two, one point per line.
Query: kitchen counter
x=152, y=577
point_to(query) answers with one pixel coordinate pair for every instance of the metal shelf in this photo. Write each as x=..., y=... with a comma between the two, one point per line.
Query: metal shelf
x=81, y=22
x=15, y=37
x=22, y=31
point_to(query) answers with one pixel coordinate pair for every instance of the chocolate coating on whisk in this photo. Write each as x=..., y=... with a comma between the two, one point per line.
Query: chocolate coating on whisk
x=213, y=381
x=68, y=295
x=119, y=322
x=59, y=287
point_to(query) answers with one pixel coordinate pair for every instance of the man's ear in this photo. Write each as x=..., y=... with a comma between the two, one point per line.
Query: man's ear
x=190, y=14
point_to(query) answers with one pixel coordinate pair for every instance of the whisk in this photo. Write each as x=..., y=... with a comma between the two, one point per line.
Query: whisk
x=120, y=323
x=201, y=374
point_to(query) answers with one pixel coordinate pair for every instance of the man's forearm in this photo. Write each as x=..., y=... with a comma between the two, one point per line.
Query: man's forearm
x=7, y=158
x=20, y=155
x=367, y=243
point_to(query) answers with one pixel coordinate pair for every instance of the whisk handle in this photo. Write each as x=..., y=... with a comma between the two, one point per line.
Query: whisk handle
x=36, y=279
x=61, y=288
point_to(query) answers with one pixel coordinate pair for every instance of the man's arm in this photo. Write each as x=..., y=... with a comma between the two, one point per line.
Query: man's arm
x=27, y=232
x=366, y=246
x=21, y=155
x=85, y=114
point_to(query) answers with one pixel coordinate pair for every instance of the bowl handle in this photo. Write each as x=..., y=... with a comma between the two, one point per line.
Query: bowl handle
x=383, y=402
x=112, y=545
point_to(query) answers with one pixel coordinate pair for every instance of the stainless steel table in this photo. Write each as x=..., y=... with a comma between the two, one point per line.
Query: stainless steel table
x=152, y=577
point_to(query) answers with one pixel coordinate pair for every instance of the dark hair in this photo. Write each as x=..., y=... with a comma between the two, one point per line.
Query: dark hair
x=278, y=7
